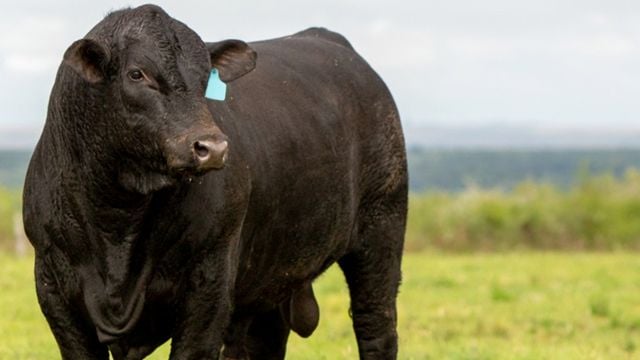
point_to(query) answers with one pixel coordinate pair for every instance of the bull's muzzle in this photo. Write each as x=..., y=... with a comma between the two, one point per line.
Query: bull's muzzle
x=192, y=155
x=210, y=153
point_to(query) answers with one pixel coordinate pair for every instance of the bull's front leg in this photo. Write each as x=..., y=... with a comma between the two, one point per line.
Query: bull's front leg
x=76, y=337
x=204, y=310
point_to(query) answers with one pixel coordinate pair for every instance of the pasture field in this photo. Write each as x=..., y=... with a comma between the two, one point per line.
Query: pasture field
x=528, y=305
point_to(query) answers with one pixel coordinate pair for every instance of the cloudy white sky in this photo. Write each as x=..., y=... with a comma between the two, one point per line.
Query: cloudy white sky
x=549, y=63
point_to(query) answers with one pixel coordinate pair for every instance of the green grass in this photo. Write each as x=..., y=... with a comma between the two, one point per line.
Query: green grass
x=509, y=306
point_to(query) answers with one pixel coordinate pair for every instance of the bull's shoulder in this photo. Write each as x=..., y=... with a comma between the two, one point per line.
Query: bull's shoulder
x=325, y=34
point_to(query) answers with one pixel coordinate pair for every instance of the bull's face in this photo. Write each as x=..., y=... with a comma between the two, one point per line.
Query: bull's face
x=153, y=72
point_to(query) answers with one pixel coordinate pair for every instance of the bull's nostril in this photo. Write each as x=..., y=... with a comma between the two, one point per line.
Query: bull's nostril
x=210, y=154
x=202, y=150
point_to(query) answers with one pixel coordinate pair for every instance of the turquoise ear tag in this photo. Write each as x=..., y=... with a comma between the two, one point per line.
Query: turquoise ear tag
x=216, y=89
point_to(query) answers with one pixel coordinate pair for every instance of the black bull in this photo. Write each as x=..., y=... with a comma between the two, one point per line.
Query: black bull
x=157, y=214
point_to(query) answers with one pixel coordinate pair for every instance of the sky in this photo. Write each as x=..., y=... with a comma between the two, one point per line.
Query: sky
x=565, y=64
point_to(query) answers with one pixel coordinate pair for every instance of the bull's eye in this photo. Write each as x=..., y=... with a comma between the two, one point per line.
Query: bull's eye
x=136, y=75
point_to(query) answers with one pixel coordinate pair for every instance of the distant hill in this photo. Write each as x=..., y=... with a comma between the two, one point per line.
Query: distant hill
x=455, y=169
x=13, y=167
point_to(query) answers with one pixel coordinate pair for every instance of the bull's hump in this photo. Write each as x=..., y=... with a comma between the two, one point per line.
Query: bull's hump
x=322, y=33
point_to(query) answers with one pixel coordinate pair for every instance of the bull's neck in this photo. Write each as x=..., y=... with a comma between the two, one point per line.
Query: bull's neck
x=109, y=218
x=111, y=222
x=91, y=181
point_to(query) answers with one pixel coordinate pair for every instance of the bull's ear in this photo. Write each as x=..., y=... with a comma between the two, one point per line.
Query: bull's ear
x=88, y=58
x=232, y=58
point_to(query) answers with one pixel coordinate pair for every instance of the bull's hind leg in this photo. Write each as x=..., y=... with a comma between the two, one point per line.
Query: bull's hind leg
x=267, y=336
x=256, y=337
x=372, y=272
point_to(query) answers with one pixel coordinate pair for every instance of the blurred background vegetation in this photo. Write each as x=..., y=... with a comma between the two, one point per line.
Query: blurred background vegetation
x=482, y=200
x=600, y=212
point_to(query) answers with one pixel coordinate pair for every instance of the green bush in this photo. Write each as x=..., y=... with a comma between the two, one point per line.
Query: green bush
x=9, y=207
x=598, y=213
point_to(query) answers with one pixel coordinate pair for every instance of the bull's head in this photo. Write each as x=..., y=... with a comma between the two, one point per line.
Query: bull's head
x=151, y=74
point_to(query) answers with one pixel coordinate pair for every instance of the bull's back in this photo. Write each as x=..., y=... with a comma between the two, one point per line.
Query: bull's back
x=309, y=124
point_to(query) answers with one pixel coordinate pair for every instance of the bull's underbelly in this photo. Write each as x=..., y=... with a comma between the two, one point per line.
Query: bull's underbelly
x=278, y=263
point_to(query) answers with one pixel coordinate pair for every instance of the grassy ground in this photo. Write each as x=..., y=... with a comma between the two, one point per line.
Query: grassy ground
x=514, y=306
